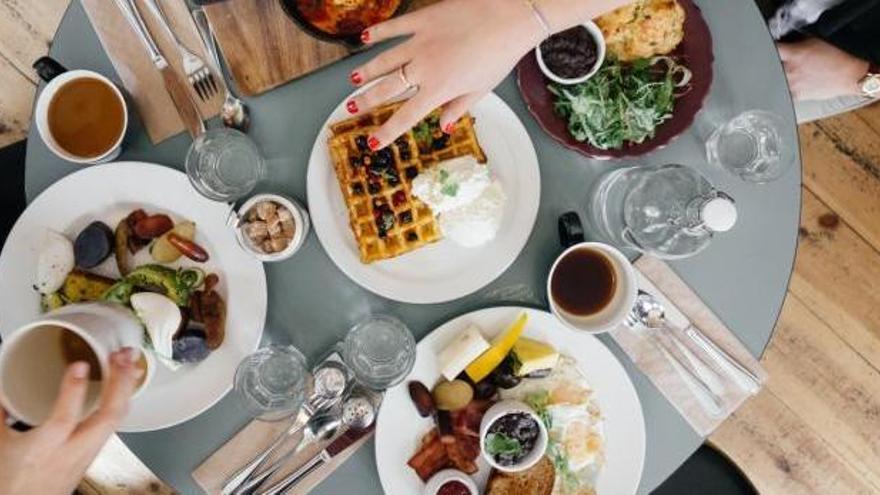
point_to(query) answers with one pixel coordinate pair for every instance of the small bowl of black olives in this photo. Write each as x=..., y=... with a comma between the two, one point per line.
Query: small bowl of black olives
x=512, y=436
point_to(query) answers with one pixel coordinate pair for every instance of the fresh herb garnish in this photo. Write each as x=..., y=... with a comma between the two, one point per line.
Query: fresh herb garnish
x=539, y=402
x=450, y=189
x=501, y=444
x=622, y=103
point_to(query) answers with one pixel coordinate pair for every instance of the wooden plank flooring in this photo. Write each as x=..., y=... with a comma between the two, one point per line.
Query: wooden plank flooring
x=815, y=428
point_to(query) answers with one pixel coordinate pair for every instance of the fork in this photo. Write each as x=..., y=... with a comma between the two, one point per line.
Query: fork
x=197, y=72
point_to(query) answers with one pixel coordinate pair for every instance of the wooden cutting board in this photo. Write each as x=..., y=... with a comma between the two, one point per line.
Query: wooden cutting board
x=264, y=48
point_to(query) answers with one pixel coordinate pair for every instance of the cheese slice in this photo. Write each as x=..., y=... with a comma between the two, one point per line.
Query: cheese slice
x=463, y=349
x=533, y=355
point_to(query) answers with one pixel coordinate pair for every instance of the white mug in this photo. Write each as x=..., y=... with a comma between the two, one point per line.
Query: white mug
x=32, y=361
x=626, y=284
x=56, y=76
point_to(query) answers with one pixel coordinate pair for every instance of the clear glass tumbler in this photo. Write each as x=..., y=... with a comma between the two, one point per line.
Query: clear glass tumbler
x=753, y=145
x=224, y=164
x=273, y=382
x=380, y=351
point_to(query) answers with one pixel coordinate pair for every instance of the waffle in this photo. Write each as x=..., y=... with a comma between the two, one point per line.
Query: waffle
x=386, y=219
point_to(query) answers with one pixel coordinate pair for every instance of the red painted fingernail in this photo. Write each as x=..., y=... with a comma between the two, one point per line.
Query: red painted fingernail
x=373, y=143
x=351, y=106
x=449, y=128
x=356, y=78
x=365, y=36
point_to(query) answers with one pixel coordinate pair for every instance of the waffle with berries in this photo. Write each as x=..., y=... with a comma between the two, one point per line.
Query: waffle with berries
x=386, y=219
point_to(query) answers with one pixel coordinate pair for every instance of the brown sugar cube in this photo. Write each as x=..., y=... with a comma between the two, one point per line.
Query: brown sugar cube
x=274, y=226
x=279, y=244
x=266, y=210
x=256, y=231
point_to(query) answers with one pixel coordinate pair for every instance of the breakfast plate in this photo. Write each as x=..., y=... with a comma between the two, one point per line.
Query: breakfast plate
x=107, y=193
x=440, y=271
x=400, y=430
x=693, y=52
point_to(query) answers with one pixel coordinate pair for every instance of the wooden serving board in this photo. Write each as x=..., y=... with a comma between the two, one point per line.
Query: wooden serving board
x=264, y=48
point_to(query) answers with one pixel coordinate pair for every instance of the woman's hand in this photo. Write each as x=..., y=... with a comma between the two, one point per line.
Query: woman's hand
x=818, y=70
x=457, y=51
x=52, y=458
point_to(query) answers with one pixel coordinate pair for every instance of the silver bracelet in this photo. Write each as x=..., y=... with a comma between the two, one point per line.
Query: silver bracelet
x=533, y=4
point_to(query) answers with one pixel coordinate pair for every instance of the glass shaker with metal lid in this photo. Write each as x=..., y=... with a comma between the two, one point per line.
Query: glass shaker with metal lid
x=668, y=211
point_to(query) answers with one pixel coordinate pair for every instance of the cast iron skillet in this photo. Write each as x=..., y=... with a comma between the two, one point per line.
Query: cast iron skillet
x=352, y=41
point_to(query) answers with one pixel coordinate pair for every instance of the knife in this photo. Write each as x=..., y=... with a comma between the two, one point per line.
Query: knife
x=186, y=108
x=335, y=448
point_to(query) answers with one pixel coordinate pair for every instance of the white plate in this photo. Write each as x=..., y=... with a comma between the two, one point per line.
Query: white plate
x=441, y=271
x=399, y=428
x=108, y=193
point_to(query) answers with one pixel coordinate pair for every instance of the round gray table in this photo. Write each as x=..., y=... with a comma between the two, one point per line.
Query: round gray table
x=743, y=275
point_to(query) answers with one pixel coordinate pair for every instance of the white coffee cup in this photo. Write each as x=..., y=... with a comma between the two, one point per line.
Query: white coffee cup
x=32, y=361
x=626, y=286
x=56, y=77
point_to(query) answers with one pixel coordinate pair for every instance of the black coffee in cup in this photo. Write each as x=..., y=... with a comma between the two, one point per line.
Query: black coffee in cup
x=584, y=282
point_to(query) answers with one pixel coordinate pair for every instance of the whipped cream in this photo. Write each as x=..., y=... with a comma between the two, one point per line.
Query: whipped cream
x=467, y=202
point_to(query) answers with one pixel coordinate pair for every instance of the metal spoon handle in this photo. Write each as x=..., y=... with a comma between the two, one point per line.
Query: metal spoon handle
x=700, y=368
x=295, y=477
x=710, y=402
x=741, y=375
x=258, y=479
x=240, y=476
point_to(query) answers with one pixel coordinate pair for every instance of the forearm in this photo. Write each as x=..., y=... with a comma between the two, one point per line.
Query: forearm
x=563, y=14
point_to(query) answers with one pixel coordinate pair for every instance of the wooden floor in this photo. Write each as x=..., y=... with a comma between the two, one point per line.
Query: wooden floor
x=815, y=428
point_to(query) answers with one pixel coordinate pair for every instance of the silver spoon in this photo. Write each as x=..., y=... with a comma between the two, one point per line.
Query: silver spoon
x=358, y=412
x=742, y=376
x=234, y=112
x=330, y=382
x=647, y=313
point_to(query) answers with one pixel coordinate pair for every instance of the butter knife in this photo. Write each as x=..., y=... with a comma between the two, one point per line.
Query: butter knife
x=336, y=447
x=180, y=96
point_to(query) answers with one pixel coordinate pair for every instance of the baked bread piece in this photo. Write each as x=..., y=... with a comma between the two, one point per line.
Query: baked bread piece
x=643, y=29
x=385, y=217
x=537, y=480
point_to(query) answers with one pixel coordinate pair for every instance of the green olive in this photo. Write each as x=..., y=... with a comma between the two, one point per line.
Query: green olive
x=454, y=395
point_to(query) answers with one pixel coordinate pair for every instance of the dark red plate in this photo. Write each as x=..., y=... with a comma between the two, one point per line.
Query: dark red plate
x=695, y=52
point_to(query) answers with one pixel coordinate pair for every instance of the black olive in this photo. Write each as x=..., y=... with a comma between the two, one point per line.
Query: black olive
x=539, y=373
x=484, y=389
x=503, y=376
x=93, y=245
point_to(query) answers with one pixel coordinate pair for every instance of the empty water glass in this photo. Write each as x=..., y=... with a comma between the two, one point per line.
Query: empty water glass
x=224, y=164
x=754, y=145
x=273, y=382
x=380, y=351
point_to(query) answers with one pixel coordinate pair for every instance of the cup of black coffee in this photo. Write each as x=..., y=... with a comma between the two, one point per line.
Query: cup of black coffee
x=591, y=286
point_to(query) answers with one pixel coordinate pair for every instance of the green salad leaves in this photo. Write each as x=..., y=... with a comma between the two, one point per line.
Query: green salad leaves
x=622, y=103
x=501, y=444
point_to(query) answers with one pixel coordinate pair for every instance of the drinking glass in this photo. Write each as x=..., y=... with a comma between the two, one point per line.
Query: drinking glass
x=273, y=382
x=380, y=351
x=224, y=164
x=753, y=145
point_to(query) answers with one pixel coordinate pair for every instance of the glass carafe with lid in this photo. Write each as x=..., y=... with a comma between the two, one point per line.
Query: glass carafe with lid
x=668, y=211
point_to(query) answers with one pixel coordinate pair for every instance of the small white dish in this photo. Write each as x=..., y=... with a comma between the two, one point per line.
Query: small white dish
x=442, y=477
x=596, y=33
x=496, y=412
x=300, y=219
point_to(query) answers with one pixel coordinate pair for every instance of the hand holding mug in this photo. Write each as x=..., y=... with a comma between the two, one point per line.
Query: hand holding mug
x=52, y=458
